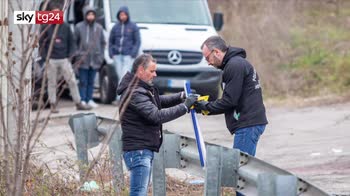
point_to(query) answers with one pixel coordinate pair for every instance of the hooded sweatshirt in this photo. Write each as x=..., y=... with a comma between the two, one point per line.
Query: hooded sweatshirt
x=242, y=100
x=90, y=41
x=125, y=37
x=145, y=112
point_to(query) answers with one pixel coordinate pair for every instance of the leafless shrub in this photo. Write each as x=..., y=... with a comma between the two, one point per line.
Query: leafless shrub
x=20, y=131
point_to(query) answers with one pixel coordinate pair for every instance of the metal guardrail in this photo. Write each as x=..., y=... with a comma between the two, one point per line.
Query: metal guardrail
x=225, y=167
x=89, y=131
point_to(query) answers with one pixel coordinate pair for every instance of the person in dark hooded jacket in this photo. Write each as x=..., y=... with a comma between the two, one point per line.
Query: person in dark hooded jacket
x=124, y=42
x=242, y=101
x=142, y=113
x=91, y=43
x=59, y=64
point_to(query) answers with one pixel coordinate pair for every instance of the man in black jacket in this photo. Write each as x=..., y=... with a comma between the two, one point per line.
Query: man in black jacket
x=142, y=113
x=59, y=61
x=242, y=101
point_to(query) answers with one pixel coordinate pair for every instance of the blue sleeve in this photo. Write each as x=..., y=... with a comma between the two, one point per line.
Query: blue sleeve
x=111, y=42
x=137, y=42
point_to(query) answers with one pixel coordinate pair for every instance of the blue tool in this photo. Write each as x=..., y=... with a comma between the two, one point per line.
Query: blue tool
x=197, y=131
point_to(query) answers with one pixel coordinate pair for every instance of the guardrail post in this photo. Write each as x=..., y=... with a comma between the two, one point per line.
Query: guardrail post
x=230, y=165
x=213, y=171
x=115, y=150
x=277, y=185
x=84, y=128
x=171, y=143
x=221, y=169
x=158, y=173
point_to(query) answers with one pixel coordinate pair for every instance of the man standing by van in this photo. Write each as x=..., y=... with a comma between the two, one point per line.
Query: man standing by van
x=124, y=43
x=91, y=43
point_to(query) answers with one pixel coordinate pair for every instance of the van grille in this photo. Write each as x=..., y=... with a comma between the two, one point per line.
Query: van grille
x=187, y=57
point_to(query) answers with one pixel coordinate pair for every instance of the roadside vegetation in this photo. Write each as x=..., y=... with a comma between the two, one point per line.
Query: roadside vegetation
x=300, y=48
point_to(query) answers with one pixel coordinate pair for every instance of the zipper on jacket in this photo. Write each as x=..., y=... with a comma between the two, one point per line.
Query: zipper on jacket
x=122, y=38
x=87, y=41
x=88, y=34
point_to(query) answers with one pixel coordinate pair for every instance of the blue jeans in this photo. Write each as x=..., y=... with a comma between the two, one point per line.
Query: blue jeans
x=86, y=83
x=139, y=163
x=122, y=64
x=246, y=139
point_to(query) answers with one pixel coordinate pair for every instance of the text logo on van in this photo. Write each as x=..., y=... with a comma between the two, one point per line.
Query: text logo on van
x=38, y=17
x=174, y=57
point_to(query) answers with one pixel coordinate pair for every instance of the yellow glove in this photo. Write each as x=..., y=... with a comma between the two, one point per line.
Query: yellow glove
x=202, y=98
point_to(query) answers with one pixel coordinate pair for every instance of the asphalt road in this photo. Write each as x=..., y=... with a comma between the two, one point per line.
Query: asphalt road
x=311, y=142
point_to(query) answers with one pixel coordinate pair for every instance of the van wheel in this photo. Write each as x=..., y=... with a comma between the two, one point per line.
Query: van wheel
x=108, y=84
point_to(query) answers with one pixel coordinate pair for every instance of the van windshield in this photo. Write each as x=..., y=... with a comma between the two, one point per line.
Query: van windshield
x=192, y=12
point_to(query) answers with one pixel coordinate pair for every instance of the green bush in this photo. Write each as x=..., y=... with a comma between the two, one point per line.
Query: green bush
x=320, y=55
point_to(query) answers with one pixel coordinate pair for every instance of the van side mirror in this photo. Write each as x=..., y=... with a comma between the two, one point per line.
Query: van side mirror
x=218, y=20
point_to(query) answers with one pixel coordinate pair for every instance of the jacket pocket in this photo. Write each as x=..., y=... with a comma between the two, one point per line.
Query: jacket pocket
x=80, y=58
x=153, y=139
x=98, y=58
x=128, y=159
x=257, y=131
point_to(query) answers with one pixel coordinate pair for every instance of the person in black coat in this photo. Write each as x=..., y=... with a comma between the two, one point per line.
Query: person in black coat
x=59, y=60
x=242, y=101
x=142, y=112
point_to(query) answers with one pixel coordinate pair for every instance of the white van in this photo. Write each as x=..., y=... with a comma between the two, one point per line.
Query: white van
x=172, y=31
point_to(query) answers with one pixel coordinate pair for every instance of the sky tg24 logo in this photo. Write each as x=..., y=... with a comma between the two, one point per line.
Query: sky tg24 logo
x=38, y=17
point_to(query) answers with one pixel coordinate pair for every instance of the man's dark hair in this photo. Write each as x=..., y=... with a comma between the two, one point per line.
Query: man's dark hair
x=215, y=42
x=142, y=60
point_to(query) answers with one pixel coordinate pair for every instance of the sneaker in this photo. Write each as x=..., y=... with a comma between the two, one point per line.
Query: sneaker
x=92, y=104
x=83, y=102
x=53, y=108
x=80, y=106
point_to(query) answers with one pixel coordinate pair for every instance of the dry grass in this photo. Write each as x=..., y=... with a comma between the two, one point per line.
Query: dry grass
x=300, y=48
x=41, y=180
